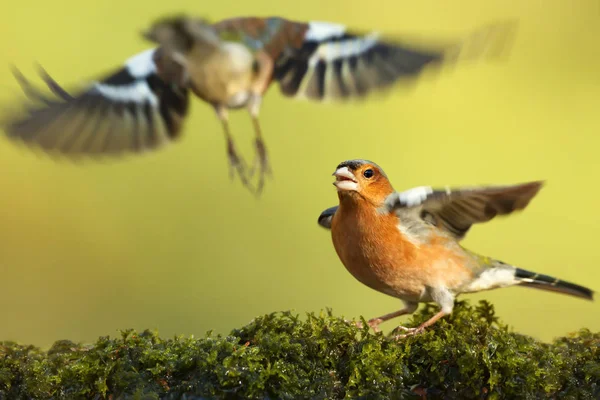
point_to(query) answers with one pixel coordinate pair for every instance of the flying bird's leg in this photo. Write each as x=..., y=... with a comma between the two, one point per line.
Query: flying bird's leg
x=235, y=161
x=261, y=158
x=263, y=68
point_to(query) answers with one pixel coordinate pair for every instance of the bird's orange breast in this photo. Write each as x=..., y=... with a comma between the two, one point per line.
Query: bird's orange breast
x=376, y=253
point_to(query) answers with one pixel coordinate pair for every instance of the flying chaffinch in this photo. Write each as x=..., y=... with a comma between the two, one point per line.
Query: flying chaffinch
x=229, y=65
x=407, y=244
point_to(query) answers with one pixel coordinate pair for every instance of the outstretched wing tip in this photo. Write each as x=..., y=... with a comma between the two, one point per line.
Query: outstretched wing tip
x=14, y=69
x=455, y=210
x=540, y=183
x=17, y=74
x=532, y=186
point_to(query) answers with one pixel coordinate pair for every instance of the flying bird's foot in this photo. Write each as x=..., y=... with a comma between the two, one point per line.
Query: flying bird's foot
x=261, y=162
x=409, y=332
x=236, y=163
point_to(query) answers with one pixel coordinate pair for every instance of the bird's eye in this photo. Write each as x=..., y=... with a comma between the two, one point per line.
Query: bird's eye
x=368, y=173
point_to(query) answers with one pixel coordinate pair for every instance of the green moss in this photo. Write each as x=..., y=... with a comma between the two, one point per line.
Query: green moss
x=470, y=355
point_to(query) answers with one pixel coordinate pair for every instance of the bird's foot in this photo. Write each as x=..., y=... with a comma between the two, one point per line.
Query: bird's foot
x=261, y=163
x=373, y=323
x=236, y=163
x=409, y=331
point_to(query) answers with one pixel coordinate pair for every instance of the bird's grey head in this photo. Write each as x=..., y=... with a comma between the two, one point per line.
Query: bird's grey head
x=180, y=32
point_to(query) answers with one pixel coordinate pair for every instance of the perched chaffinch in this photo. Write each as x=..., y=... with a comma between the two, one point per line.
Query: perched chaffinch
x=229, y=65
x=407, y=244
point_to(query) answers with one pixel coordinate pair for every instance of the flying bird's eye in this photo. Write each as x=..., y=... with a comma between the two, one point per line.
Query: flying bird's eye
x=368, y=173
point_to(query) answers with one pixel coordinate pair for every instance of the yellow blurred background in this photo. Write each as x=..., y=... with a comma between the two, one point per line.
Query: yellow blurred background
x=167, y=241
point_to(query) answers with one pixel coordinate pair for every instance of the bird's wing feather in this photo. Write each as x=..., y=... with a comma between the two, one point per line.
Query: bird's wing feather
x=333, y=63
x=131, y=110
x=456, y=210
x=326, y=217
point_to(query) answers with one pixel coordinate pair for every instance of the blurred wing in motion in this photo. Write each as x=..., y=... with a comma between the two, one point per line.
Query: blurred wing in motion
x=334, y=64
x=129, y=111
x=456, y=210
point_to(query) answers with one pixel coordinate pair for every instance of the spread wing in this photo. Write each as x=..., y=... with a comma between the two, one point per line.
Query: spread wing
x=130, y=110
x=456, y=210
x=326, y=61
x=329, y=62
x=326, y=217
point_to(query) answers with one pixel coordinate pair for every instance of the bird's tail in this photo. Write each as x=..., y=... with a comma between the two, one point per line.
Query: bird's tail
x=492, y=274
x=552, y=284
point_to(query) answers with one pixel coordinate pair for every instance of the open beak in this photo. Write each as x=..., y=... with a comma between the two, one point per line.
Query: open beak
x=345, y=179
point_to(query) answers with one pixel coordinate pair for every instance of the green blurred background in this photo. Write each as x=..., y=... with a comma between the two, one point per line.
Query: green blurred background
x=166, y=241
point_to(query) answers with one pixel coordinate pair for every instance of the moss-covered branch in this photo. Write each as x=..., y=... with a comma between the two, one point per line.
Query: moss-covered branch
x=469, y=355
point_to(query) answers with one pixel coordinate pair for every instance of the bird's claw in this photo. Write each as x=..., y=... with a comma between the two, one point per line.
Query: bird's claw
x=236, y=163
x=261, y=163
x=409, y=332
x=358, y=324
x=374, y=324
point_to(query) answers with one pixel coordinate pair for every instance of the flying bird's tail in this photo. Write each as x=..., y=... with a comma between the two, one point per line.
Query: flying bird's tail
x=552, y=284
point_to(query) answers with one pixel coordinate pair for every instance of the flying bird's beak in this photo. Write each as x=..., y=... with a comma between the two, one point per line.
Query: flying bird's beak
x=345, y=180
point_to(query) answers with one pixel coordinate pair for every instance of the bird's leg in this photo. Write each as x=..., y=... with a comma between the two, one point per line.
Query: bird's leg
x=420, y=328
x=442, y=296
x=409, y=308
x=263, y=72
x=235, y=161
x=261, y=158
